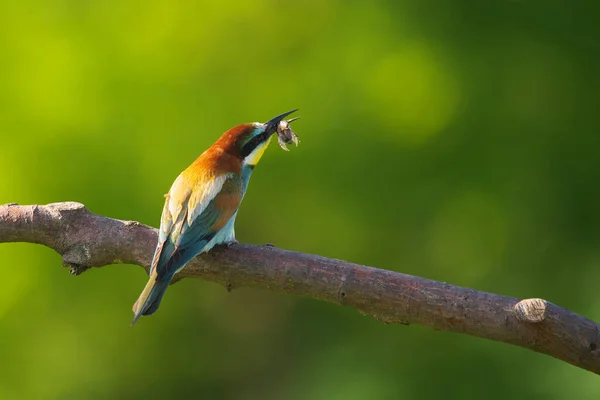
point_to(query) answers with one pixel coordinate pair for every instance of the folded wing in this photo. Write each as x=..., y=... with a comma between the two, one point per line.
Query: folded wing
x=191, y=218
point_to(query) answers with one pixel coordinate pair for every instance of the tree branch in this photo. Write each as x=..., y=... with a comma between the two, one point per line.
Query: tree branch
x=87, y=240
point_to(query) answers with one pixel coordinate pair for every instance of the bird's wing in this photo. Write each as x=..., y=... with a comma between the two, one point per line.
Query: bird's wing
x=173, y=213
x=204, y=211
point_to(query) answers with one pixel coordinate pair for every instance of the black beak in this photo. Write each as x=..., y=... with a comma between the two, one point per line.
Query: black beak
x=271, y=125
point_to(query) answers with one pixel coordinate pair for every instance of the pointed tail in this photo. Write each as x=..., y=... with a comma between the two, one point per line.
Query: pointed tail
x=151, y=296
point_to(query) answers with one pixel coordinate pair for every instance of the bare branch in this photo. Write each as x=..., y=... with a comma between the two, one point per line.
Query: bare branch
x=87, y=240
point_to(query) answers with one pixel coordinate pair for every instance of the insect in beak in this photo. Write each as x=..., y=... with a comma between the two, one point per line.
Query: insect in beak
x=285, y=134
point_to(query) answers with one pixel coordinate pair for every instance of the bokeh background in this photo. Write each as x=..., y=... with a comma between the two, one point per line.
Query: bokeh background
x=455, y=140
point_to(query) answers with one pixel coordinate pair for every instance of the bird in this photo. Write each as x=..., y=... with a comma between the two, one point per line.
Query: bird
x=202, y=204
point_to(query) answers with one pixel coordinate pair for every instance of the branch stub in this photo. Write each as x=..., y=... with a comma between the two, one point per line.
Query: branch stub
x=532, y=311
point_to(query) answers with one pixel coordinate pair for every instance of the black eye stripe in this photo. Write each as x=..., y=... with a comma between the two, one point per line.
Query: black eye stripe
x=252, y=144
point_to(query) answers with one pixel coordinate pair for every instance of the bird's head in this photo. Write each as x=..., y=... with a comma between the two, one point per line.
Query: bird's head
x=249, y=141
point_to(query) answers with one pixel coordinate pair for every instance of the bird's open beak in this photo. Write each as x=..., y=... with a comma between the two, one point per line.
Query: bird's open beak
x=271, y=125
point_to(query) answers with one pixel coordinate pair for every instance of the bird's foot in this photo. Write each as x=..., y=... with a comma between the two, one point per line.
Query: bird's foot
x=231, y=243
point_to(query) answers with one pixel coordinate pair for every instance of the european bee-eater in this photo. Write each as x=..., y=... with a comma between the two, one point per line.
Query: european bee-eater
x=202, y=204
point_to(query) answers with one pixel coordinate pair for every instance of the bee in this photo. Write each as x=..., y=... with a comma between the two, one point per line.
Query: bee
x=285, y=134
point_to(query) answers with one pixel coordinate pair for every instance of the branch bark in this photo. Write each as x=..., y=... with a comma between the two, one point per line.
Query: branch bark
x=86, y=240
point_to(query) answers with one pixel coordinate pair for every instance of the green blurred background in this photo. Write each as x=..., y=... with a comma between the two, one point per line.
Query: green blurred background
x=455, y=140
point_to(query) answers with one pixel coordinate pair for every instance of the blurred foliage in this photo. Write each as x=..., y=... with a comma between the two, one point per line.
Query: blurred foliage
x=456, y=140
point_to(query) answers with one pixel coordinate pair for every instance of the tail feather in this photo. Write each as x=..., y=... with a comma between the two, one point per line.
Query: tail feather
x=151, y=296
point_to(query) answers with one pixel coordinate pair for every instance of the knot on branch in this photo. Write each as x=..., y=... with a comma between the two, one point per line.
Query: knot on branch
x=78, y=254
x=77, y=258
x=66, y=208
x=75, y=269
x=531, y=310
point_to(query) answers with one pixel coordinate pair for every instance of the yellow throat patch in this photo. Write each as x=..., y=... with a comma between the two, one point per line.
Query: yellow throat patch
x=254, y=157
